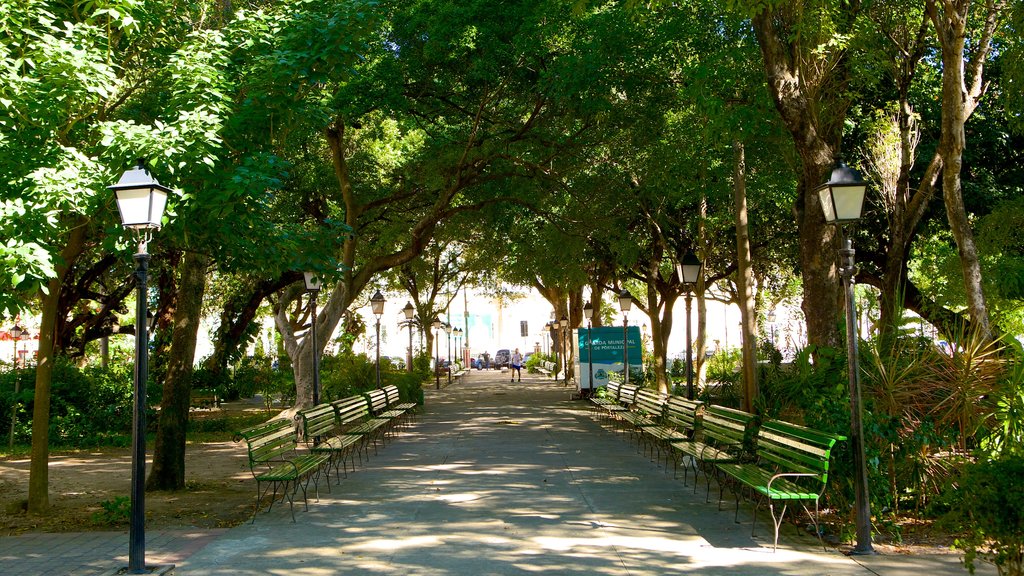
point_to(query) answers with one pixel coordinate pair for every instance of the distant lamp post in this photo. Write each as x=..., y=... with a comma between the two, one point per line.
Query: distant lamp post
x=448, y=359
x=312, y=282
x=563, y=341
x=437, y=353
x=547, y=334
x=588, y=312
x=771, y=325
x=377, y=305
x=140, y=202
x=625, y=303
x=842, y=198
x=690, y=269
x=458, y=343
x=409, y=312
x=16, y=332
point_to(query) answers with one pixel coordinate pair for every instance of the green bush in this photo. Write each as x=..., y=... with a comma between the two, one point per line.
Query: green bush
x=987, y=508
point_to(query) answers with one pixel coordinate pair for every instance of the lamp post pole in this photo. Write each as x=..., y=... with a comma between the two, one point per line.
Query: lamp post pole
x=140, y=203
x=625, y=303
x=690, y=269
x=16, y=332
x=842, y=198
x=312, y=282
x=588, y=311
x=377, y=306
x=437, y=353
x=409, y=312
x=448, y=331
x=564, y=342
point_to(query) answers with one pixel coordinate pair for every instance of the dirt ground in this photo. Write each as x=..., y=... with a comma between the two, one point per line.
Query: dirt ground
x=219, y=491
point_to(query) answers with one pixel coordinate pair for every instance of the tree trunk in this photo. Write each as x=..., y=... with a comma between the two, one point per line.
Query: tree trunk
x=168, y=472
x=961, y=92
x=745, y=280
x=797, y=73
x=39, y=468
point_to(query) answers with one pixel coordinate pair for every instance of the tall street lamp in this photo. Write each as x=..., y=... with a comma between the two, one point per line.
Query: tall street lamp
x=625, y=303
x=437, y=353
x=771, y=325
x=564, y=343
x=842, y=198
x=16, y=332
x=448, y=331
x=377, y=305
x=312, y=283
x=690, y=269
x=140, y=202
x=409, y=312
x=588, y=312
x=458, y=343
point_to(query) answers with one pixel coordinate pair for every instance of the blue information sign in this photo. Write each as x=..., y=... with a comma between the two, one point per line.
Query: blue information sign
x=605, y=346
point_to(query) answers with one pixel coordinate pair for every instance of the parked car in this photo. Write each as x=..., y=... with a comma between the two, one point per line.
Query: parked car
x=502, y=358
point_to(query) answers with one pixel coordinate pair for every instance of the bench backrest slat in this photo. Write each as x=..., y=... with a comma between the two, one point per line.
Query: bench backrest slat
x=378, y=400
x=795, y=448
x=613, y=390
x=681, y=412
x=627, y=394
x=650, y=402
x=268, y=441
x=320, y=420
x=726, y=425
x=351, y=410
x=391, y=392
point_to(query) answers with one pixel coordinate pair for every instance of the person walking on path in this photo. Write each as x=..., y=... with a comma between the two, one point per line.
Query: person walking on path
x=517, y=364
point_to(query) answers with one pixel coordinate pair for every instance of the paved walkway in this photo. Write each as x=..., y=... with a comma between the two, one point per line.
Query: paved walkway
x=498, y=478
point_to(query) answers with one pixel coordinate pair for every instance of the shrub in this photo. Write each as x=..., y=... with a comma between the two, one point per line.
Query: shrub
x=987, y=507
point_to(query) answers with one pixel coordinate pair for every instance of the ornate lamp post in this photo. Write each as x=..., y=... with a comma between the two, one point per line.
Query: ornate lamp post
x=437, y=353
x=458, y=343
x=770, y=317
x=448, y=331
x=377, y=305
x=690, y=269
x=312, y=283
x=16, y=332
x=409, y=312
x=842, y=198
x=140, y=202
x=588, y=312
x=625, y=303
x=563, y=341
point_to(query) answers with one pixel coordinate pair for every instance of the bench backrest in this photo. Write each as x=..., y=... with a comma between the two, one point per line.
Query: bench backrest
x=269, y=441
x=613, y=390
x=391, y=392
x=793, y=448
x=650, y=402
x=320, y=420
x=627, y=394
x=681, y=413
x=378, y=400
x=725, y=426
x=351, y=410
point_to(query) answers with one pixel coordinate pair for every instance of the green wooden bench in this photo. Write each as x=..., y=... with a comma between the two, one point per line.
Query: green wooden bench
x=792, y=468
x=610, y=397
x=624, y=398
x=395, y=401
x=203, y=398
x=378, y=400
x=546, y=368
x=354, y=418
x=646, y=410
x=677, y=424
x=275, y=461
x=321, y=431
x=720, y=437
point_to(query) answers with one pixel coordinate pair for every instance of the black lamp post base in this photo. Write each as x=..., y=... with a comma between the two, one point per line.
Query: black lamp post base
x=157, y=570
x=856, y=551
